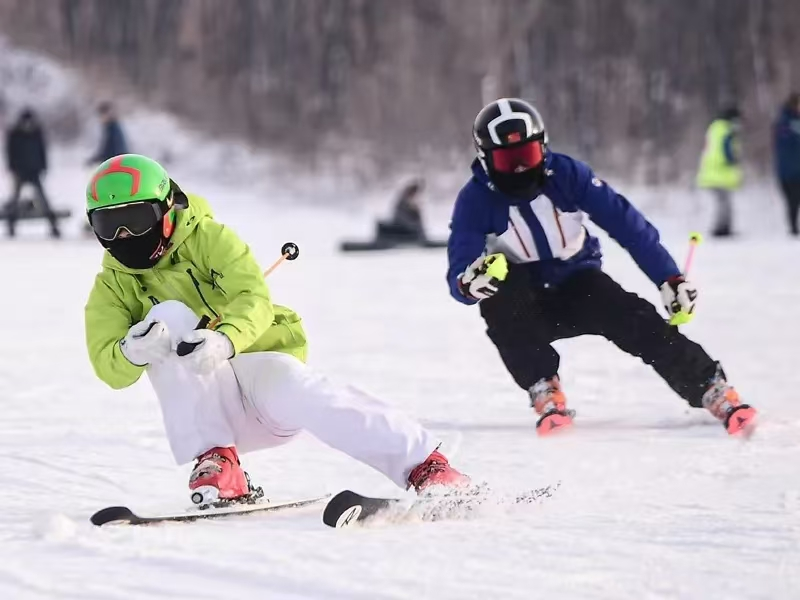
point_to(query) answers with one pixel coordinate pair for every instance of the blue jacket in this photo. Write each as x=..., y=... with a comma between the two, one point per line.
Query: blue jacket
x=113, y=142
x=787, y=145
x=547, y=234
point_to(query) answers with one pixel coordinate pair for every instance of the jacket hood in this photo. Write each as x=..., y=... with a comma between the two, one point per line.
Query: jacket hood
x=185, y=223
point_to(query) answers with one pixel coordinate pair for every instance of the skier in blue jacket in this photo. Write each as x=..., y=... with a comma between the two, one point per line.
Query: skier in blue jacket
x=787, y=158
x=519, y=247
x=113, y=142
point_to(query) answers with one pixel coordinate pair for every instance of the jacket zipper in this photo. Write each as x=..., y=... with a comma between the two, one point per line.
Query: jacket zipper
x=164, y=280
x=560, y=230
x=519, y=237
x=199, y=293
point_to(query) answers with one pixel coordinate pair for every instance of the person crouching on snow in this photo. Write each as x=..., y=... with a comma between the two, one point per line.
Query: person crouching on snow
x=244, y=385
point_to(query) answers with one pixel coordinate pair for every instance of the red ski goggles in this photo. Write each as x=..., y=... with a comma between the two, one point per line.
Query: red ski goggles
x=137, y=219
x=519, y=158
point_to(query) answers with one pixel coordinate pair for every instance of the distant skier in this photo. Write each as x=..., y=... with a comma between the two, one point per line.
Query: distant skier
x=26, y=158
x=720, y=167
x=244, y=385
x=113, y=141
x=523, y=211
x=786, y=134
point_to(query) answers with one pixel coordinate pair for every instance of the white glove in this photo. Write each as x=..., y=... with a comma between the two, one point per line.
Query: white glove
x=678, y=295
x=146, y=343
x=483, y=277
x=209, y=349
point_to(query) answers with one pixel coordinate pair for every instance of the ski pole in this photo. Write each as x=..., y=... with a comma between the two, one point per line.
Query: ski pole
x=695, y=239
x=682, y=317
x=289, y=251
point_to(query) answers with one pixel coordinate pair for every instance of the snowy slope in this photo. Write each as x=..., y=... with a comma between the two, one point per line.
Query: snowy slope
x=655, y=501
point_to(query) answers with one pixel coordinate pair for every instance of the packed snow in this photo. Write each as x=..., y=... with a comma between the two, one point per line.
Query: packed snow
x=655, y=500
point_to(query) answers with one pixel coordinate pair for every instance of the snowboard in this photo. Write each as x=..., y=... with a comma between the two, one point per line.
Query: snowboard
x=389, y=244
x=349, y=508
x=28, y=209
x=122, y=515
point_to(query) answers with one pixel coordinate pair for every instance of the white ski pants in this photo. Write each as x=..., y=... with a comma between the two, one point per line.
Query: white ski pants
x=263, y=399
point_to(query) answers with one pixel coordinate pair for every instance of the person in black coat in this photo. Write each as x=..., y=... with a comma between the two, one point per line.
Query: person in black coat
x=26, y=158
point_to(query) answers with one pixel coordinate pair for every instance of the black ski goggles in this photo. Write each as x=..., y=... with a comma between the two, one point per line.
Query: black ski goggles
x=136, y=219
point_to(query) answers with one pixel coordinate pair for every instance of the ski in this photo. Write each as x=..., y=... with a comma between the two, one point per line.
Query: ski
x=348, y=508
x=122, y=515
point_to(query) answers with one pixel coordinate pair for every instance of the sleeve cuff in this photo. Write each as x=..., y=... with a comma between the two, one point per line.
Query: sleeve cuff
x=230, y=332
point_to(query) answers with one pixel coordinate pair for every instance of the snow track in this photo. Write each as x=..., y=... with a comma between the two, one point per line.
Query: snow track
x=656, y=502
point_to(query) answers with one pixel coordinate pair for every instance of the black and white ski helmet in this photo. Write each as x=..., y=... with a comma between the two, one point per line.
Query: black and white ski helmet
x=511, y=142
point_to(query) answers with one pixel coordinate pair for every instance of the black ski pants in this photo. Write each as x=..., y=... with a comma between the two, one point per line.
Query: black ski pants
x=791, y=191
x=524, y=319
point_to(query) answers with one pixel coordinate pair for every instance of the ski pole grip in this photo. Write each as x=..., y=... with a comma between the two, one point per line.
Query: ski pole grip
x=185, y=348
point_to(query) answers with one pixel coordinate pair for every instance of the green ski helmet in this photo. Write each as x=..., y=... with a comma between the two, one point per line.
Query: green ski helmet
x=130, y=204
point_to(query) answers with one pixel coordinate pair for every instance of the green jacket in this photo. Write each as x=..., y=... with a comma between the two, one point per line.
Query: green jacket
x=719, y=165
x=207, y=267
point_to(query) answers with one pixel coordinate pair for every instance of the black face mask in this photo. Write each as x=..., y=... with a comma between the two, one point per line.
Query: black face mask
x=525, y=185
x=139, y=252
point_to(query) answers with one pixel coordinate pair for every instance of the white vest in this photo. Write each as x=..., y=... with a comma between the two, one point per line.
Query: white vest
x=564, y=231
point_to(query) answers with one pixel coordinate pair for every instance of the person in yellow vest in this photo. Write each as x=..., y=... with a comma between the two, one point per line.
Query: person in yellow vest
x=720, y=168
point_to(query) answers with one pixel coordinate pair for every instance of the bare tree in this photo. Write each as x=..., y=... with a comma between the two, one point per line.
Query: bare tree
x=628, y=85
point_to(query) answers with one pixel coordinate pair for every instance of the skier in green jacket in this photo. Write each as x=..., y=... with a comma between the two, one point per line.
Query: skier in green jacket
x=243, y=385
